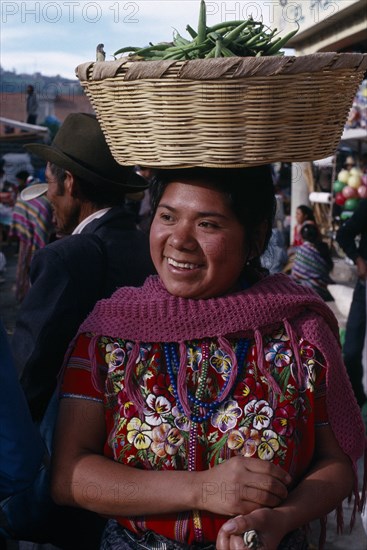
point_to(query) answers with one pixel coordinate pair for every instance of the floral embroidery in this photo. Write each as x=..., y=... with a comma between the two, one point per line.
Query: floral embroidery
x=221, y=362
x=279, y=354
x=139, y=433
x=144, y=350
x=252, y=422
x=280, y=334
x=311, y=374
x=244, y=440
x=307, y=353
x=114, y=356
x=181, y=421
x=158, y=408
x=268, y=446
x=249, y=389
x=194, y=357
x=166, y=440
x=163, y=387
x=284, y=420
x=127, y=408
x=260, y=413
x=226, y=416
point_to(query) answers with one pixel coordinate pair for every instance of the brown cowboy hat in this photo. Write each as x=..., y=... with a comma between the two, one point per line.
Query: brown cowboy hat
x=80, y=147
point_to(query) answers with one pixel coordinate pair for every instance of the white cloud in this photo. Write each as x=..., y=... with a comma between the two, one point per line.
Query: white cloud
x=52, y=37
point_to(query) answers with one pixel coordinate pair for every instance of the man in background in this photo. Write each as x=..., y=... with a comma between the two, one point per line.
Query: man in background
x=101, y=249
x=31, y=105
x=356, y=228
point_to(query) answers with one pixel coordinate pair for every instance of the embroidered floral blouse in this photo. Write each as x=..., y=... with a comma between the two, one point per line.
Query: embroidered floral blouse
x=253, y=421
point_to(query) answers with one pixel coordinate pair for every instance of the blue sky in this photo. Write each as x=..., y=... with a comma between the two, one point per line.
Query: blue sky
x=53, y=37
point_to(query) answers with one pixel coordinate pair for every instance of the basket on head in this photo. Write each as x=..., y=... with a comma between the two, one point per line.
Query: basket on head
x=225, y=112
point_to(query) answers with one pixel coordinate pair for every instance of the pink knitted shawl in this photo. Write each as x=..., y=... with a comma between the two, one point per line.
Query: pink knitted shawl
x=151, y=314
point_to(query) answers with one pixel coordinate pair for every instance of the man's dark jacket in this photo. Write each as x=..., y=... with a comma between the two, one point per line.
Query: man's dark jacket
x=352, y=228
x=68, y=276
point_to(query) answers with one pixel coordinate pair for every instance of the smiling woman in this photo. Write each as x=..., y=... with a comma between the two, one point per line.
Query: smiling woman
x=200, y=252
x=213, y=401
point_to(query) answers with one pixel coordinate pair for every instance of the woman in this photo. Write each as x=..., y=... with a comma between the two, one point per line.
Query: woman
x=304, y=215
x=313, y=262
x=32, y=226
x=201, y=396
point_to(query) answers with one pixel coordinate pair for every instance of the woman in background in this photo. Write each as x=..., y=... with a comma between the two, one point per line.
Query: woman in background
x=304, y=215
x=313, y=263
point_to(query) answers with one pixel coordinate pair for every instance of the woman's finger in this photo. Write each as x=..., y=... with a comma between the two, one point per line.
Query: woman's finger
x=239, y=533
x=231, y=533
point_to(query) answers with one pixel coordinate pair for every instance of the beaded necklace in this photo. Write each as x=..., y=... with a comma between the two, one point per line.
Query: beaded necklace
x=172, y=362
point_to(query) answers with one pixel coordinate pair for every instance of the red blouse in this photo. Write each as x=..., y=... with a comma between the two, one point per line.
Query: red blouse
x=253, y=421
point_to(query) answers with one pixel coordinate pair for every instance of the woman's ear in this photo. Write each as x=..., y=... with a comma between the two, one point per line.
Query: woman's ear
x=258, y=240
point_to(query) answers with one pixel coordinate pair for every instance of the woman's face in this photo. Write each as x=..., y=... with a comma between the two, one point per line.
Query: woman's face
x=196, y=242
x=300, y=217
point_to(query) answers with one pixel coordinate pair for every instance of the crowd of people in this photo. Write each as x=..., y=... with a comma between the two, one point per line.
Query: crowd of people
x=199, y=398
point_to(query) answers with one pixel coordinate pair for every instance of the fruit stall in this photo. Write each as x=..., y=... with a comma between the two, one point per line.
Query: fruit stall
x=335, y=186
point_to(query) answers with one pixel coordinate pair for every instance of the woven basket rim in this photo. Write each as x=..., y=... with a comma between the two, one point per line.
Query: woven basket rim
x=220, y=68
x=231, y=111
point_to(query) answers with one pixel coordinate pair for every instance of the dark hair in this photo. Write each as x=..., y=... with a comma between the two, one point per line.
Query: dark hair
x=108, y=195
x=310, y=233
x=307, y=212
x=250, y=191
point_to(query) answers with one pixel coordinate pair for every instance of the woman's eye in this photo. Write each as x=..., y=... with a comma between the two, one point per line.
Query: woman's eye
x=164, y=216
x=208, y=225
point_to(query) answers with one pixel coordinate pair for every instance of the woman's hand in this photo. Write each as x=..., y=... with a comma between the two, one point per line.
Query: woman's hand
x=325, y=485
x=267, y=524
x=241, y=485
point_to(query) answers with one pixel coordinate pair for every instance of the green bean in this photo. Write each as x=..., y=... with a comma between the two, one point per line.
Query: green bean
x=272, y=45
x=254, y=39
x=214, y=36
x=260, y=44
x=194, y=46
x=202, y=23
x=211, y=53
x=188, y=49
x=229, y=37
x=127, y=49
x=191, y=32
x=157, y=47
x=224, y=25
x=173, y=55
x=227, y=52
x=281, y=42
x=218, y=47
x=179, y=40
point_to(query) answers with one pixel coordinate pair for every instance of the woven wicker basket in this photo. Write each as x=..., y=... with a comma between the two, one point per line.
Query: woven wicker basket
x=223, y=112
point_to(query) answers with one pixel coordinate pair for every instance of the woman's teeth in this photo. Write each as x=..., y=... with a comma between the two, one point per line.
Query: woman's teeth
x=181, y=265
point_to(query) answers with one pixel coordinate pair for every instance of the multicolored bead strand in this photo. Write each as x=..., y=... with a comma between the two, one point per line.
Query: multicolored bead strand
x=170, y=350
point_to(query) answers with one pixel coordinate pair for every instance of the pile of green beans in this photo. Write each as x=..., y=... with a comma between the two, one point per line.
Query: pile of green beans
x=228, y=39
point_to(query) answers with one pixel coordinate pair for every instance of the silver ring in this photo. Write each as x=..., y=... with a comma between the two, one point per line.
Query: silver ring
x=251, y=539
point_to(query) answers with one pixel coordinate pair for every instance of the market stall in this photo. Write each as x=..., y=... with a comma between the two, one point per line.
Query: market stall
x=337, y=183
